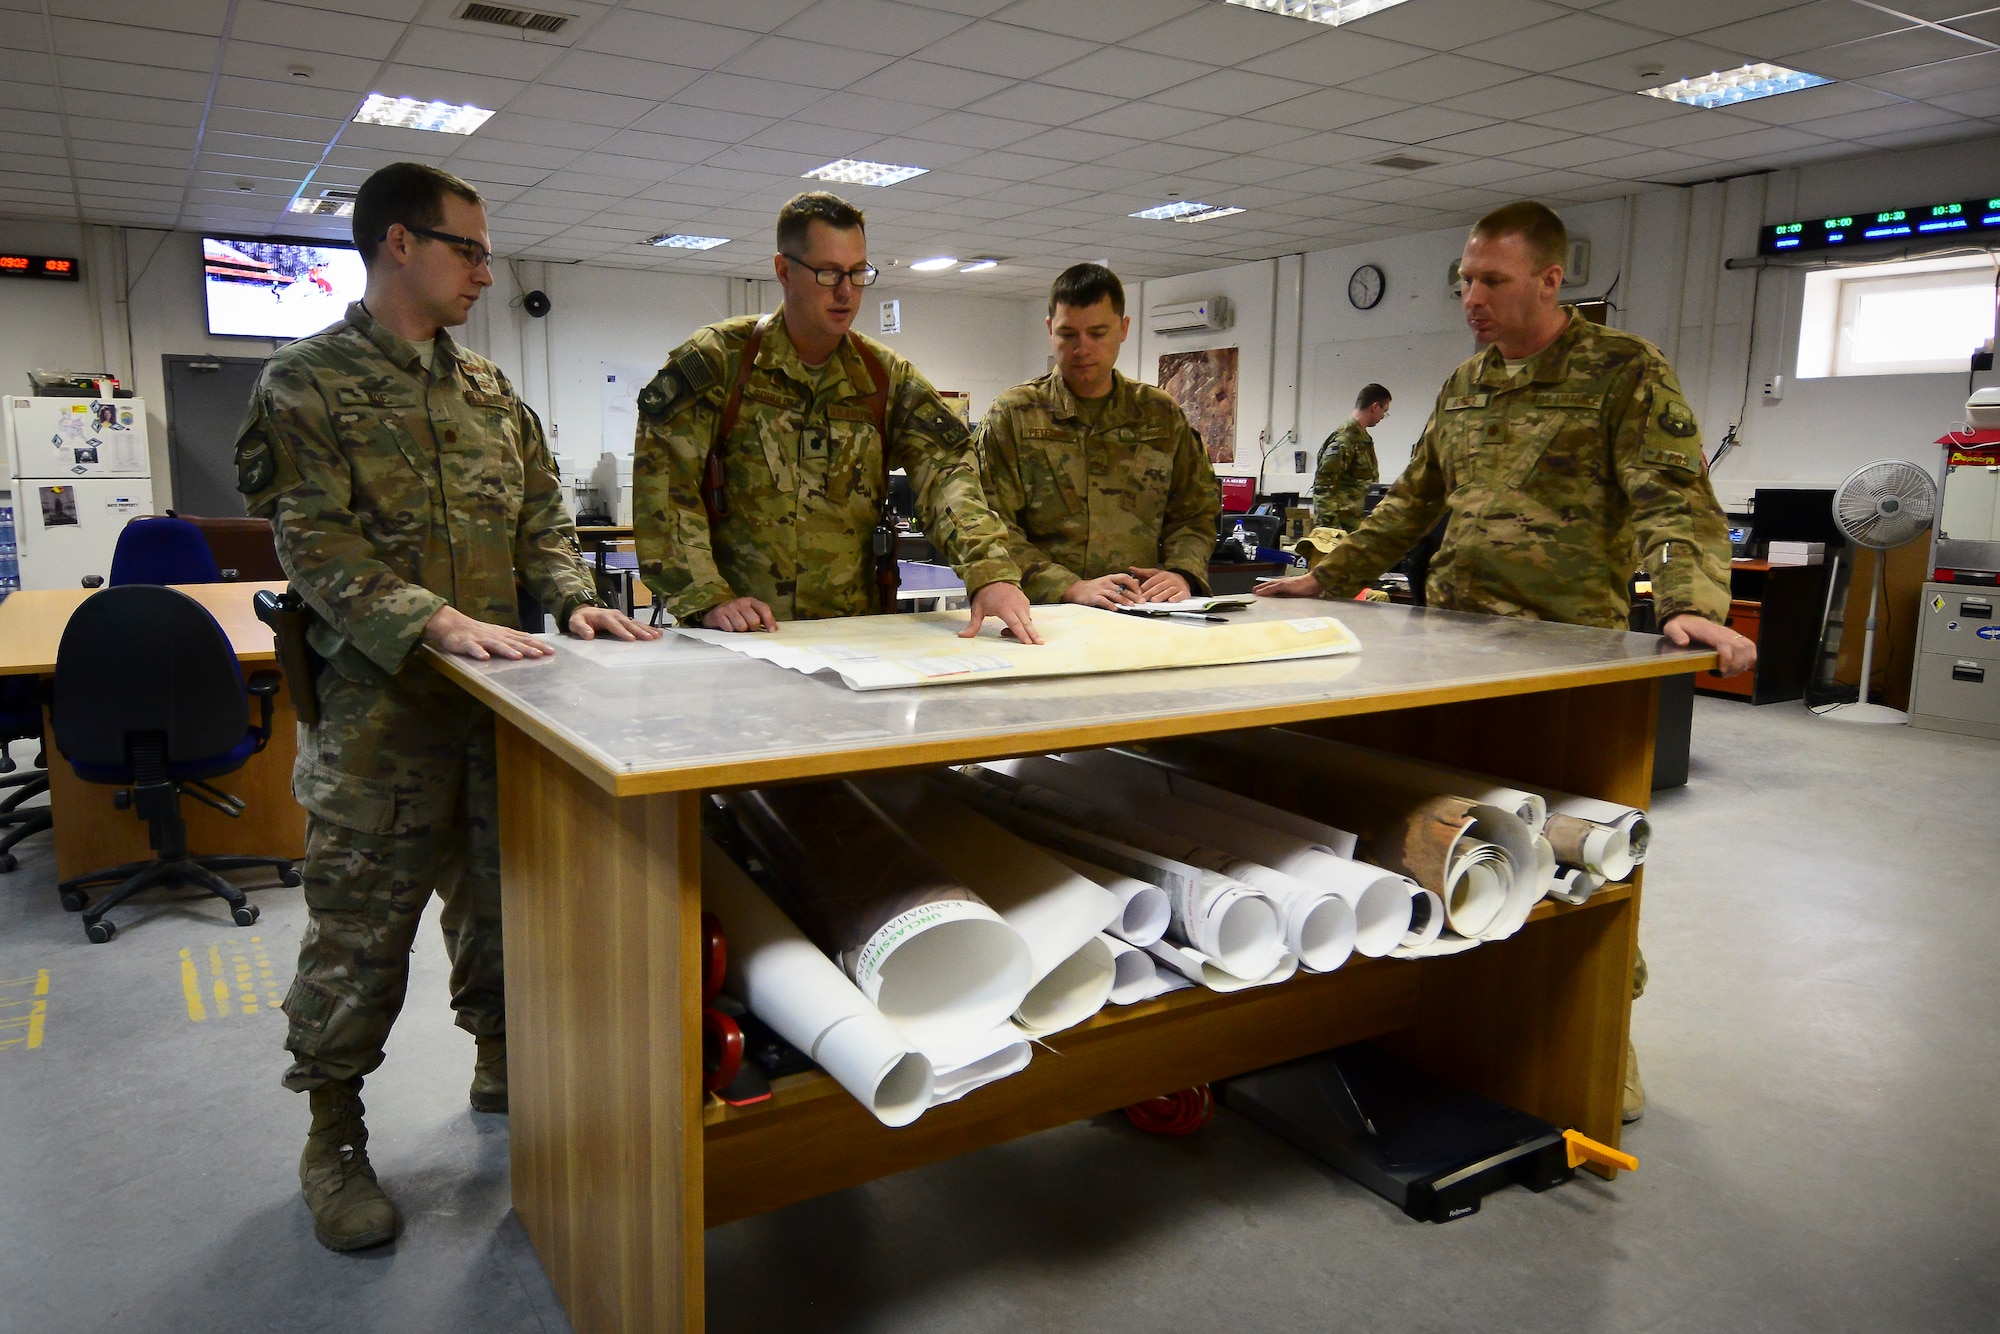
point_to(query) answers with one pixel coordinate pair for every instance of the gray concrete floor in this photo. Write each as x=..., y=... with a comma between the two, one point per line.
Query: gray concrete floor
x=1820, y=1045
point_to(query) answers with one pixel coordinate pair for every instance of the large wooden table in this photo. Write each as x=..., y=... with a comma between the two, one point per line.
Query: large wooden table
x=90, y=833
x=617, y=1163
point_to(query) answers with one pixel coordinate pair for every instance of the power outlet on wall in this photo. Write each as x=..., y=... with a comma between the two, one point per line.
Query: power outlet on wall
x=1298, y=460
x=1774, y=388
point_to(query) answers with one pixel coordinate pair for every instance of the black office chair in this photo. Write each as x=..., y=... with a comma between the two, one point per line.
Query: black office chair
x=20, y=720
x=149, y=698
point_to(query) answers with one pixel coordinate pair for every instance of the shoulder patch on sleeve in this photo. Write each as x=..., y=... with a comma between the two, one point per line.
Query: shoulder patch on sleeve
x=1661, y=457
x=693, y=369
x=1676, y=419
x=265, y=469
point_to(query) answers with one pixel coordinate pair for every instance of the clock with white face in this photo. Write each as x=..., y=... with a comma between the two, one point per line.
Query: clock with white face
x=1365, y=286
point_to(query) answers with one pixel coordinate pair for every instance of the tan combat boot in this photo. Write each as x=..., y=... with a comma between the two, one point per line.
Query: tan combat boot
x=489, y=1076
x=350, y=1212
x=1635, y=1092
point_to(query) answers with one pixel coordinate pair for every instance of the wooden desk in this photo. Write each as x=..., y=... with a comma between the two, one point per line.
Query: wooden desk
x=1777, y=608
x=89, y=831
x=617, y=1164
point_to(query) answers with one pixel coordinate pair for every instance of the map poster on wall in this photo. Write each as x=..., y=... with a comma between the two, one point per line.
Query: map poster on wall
x=1204, y=384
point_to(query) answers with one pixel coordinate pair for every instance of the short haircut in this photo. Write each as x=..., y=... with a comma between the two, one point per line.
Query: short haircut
x=796, y=218
x=411, y=193
x=1535, y=223
x=1083, y=285
x=1370, y=395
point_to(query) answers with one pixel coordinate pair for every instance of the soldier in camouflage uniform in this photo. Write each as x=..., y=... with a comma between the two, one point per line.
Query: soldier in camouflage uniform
x=1347, y=466
x=1563, y=455
x=804, y=473
x=1106, y=492
x=406, y=486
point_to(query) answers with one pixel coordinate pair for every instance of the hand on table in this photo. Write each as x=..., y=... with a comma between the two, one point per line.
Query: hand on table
x=452, y=631
x=740, y=614
x=1161, y=585
x=1111, y=591
x=1007, y=604
x=1298, y=586
x=1737, y=653
x=589, y=622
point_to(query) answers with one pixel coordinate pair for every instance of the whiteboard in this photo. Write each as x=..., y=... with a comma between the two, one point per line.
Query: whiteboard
x=1413, y=367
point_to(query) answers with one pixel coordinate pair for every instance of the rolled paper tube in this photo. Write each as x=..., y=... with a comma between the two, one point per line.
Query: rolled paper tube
x=1426, y=917
x=1055, y=910
x=1603, y=850
x=1198, y=968
x=1575, y=885
x=1143, y=911
x=1160, y=778
x=965, y=1064
x=1373, y=897
x=1236, y=925
x=1476, y=890
x=933, y=957
x=1521, y=800
x=1079, y=987
x=1317, y=924
x=1133, y=971
x=1631, y=820
x=791, y=985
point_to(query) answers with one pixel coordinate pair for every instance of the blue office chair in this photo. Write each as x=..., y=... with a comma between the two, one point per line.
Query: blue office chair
x=20, y=720
x=164, y=550
x=149, y=698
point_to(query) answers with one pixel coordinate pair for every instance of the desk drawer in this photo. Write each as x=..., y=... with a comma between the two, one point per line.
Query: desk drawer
x=1957, y=688
x=1960, y=622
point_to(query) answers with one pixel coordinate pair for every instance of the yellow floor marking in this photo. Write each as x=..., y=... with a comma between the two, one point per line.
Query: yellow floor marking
x=34, y=1022
x=244, y=984
x=191, y=987
x=220, y=988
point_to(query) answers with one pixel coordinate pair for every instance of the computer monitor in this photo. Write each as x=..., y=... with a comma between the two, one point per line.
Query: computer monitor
x=1786, y=514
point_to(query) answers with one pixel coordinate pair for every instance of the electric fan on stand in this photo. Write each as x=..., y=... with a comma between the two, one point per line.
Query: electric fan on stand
x=1881, y=506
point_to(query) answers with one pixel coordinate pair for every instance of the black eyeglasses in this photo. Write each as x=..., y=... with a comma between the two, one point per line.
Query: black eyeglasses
x=831, y=277
x=469, y=250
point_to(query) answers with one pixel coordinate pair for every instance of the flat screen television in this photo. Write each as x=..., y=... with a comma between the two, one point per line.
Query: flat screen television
x=273, y=288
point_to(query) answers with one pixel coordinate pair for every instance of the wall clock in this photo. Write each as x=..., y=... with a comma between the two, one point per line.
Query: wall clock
x=1365, y=286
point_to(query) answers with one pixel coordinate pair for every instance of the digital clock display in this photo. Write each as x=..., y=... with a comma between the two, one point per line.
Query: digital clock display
x=1884, y=226
x=59, y=267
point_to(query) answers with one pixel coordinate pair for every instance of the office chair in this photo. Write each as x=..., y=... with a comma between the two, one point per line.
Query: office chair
x=244, y=549
x=163, y=550
x=149, y=698
x=20, y=720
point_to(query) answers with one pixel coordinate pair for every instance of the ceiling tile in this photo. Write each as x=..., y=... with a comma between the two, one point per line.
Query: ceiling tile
x=1434, y=78
x=931, y=85
x=1419, y=124
x=1043, y=105
x=1882, y=120
x=255, y=60
x=1565, y=41
x=1612, y=113
x=1232, y=92
x=144, y=46
x=523, y=129
x=314, y=29
x=974, y=131
x=1150, y=120
x=828, y=141
x=1005, y=166
x=267, y=95
x=1803, y=28
x=1956, y=131
x=671, y=41
x=1757, y=145
x=270, y=124
x=1123, y=73
x=874, y=115
x=1629, y=71
x=1099, y=20
x=1498, y=140
x=1449, y=25
x=1681, y=17
x=782, y=60
x=1329, y=58
x=1693, y=126
x=482, y=90
x=1525, y=97
x=146, y=132
x=1074, y=145
x=580, y=106
x=1575, y=151
x=1881, y=55
x=998, y=48
x=1222, y=35
x=1241, y=135
x=595, y=71
x=1963, y=75
x=79, y=76
x=1811, y=104
x=1985, y=102
x=1984, y=26
x=1251, y=169
x=734, y=92
x=702, y=123
x=881, y=26
x=756, y=15
x=1329, y=109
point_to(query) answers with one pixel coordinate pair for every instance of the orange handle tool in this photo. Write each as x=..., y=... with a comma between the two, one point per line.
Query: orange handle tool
x=1583, y=1149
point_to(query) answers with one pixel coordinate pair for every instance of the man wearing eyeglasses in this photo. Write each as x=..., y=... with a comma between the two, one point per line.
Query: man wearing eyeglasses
x=761, y=469
x=407, y=487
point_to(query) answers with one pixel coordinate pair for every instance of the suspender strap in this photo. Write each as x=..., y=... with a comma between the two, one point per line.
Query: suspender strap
x=714, y=484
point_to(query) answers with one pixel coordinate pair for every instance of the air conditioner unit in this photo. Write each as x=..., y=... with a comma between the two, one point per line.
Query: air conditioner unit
x=1191, y=316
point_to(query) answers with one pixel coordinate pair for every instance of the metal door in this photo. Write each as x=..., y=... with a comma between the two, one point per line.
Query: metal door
x=206, y=398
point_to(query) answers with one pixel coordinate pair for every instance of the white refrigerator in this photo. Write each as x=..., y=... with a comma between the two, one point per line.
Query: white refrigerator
x=77, y=470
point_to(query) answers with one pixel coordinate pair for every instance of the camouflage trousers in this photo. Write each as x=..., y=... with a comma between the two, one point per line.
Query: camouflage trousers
x=400, y=786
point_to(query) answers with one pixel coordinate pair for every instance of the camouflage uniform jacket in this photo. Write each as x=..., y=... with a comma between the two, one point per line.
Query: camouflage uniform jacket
x=1081, y=501
x=804, y=477
x=1346, y=468
x=1558, y=481
x=393, y=491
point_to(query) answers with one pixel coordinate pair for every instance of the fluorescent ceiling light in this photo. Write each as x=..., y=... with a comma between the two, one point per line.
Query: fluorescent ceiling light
x=414, y=114
x=937, y=265
x=1184, y=210
x=335, y=208
x=1333, y=13
x=979, y=265
x=1728, y=87
x=847, y=171
x=682, y=241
